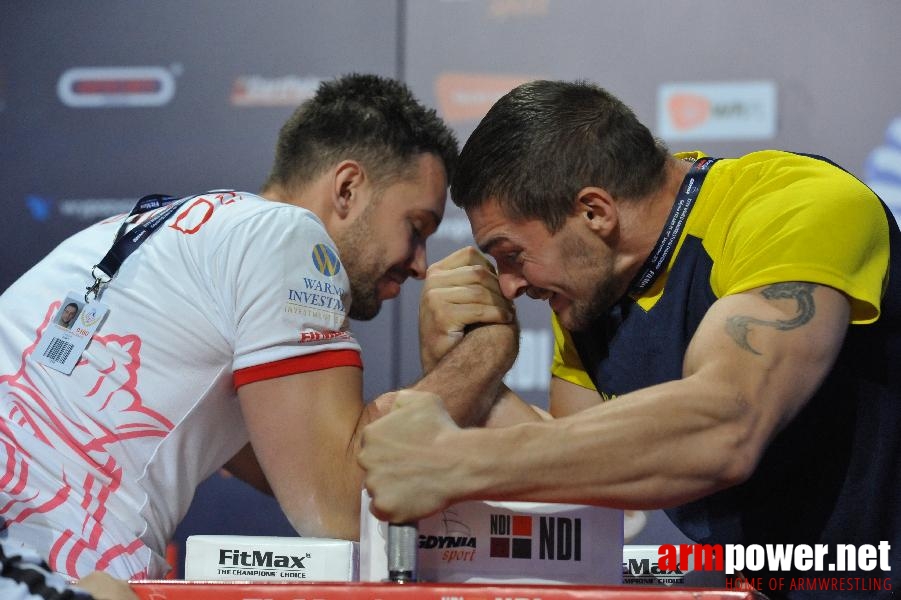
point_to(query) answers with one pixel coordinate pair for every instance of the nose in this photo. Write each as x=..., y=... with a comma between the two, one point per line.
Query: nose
x=512, y=285
x=418, y=263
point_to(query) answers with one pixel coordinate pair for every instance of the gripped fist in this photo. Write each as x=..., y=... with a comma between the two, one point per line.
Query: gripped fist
x=460, y=291
x=409, y=473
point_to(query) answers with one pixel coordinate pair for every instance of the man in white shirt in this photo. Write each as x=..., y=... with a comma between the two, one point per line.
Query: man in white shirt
x=226, y=340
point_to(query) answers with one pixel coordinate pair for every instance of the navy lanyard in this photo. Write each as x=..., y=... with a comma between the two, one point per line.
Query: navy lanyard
x=672, y=231
x=126, y=243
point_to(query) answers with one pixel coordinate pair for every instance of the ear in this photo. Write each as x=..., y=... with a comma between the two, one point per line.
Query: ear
x=349, y=177
x=598, y=210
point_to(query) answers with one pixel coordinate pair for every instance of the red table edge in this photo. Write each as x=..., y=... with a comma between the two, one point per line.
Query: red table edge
x=169, y=589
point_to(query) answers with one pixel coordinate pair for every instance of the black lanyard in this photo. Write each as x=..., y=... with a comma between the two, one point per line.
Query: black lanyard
x=126, y=243
x=672, y=231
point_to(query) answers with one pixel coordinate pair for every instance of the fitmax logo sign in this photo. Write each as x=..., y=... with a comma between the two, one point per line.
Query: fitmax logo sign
x=256, y=558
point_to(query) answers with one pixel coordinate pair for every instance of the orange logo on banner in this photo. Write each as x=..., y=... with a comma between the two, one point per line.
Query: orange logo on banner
x=464, y=97
x=687, y=110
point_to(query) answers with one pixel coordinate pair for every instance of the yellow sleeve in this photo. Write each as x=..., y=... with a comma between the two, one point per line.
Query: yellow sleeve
x=567, y=365
x=829, y=230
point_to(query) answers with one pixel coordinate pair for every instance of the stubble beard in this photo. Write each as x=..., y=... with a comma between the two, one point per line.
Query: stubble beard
x=362, y=268
x=602, y=295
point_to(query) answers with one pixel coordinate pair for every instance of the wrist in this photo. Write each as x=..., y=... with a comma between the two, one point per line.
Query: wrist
x=472, y=472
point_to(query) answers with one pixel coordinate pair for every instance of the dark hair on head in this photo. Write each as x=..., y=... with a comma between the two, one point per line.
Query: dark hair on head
x=545, y=140
x=374, y=120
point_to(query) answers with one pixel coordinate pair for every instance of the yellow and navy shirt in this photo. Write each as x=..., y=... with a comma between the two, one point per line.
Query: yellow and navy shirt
x=765, y=218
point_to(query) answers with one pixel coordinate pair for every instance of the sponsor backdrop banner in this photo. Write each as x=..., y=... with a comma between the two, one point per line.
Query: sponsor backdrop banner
x=103, y=102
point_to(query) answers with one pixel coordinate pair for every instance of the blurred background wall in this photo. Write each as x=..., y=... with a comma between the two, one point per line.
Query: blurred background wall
x=104, y=101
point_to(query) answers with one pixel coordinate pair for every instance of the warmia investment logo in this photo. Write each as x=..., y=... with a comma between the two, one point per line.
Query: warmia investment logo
x=117, y=87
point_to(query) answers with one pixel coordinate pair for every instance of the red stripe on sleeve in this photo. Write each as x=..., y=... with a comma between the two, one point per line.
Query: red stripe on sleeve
x=298, y=364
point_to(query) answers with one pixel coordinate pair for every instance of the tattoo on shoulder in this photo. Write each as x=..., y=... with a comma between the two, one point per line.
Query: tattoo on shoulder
x=739, y=326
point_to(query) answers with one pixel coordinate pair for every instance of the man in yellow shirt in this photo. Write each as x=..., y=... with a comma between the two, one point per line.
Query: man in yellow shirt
x=724, y=334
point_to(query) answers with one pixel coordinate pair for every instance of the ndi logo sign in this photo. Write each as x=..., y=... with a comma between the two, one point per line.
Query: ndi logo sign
x=559, y=538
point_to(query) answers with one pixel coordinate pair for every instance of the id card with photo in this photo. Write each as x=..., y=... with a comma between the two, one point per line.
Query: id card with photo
x=69, y=332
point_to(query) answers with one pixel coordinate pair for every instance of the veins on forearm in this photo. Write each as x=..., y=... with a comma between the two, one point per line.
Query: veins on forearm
x=470, y=376
x=739, y=326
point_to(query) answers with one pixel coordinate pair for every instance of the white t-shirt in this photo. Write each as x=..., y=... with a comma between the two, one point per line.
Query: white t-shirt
x=101, y=465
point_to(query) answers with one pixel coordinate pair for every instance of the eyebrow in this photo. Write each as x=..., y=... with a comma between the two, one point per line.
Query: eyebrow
x=490, y=244
x=430, y=216
x=427, y=218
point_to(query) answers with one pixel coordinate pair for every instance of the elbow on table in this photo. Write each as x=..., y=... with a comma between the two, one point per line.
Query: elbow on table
x=326, y=517
x=332, y=528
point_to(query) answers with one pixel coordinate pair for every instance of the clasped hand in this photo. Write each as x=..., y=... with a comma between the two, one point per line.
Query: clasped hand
x=461, y=291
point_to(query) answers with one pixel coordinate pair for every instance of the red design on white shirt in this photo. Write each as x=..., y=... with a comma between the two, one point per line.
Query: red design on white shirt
x=77, y=440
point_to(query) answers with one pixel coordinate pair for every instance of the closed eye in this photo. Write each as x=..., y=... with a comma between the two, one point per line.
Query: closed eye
x=507, y=259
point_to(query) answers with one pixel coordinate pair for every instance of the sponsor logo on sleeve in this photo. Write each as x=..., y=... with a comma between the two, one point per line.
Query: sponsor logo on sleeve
x=309, y=336
x=325, y=259
x=320, y=300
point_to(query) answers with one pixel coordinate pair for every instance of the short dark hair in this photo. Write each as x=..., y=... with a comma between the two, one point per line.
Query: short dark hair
x=368, y=118
x=545, y=140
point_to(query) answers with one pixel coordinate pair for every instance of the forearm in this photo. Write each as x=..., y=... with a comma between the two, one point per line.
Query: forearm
x=306, y=444
x=510, y=409
x=655, y=448
x=331, y=507
x=675, y=442
x=469, y=377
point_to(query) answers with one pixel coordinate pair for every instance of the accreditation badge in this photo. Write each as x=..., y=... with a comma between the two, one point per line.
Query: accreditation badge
x=69, y=332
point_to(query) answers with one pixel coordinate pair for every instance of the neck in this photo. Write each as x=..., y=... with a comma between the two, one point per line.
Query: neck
x=279, y=193
x=308, y=197
x=649, y=216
